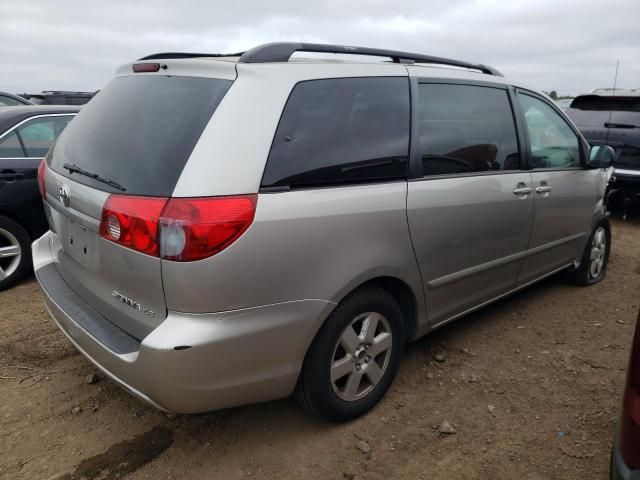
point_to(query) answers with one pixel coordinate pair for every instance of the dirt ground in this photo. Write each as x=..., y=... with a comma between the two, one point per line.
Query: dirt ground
x=531, y=386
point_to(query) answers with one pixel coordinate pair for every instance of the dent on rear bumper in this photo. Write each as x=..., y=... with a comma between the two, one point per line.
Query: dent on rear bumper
x=193, y=363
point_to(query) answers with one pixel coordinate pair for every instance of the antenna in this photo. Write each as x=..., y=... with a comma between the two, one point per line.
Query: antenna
x=615, y=81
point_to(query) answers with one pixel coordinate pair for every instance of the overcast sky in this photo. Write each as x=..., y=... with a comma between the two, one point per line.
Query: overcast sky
x=566, y=45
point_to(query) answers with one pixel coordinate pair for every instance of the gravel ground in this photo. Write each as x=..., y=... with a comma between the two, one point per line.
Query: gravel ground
x=531, y=387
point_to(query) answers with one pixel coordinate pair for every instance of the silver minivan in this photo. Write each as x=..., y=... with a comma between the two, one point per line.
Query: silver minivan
x=233, y=229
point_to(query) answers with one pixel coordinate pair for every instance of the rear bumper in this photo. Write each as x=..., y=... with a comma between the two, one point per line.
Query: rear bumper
x=190, y=363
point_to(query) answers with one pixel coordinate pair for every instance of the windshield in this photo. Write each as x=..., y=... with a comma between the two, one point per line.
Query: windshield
x=138, y=132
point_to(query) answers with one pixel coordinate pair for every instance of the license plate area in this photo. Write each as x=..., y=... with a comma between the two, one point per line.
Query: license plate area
x=81, y=244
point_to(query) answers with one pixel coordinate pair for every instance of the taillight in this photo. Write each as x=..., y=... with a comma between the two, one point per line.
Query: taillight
x=133, y=222
x=196, y=228
x=180, y=229
x=630, y=421
x=41, y=185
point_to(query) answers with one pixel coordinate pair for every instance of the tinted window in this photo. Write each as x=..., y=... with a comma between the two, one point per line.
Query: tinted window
x=53, y=100
x=595, y=111
x=139, y=131
x=466, y=129
x=38, y=134
x=340, y=131
x=10, y=146
x=596, y=102
x=77, y=100
x=553, y=142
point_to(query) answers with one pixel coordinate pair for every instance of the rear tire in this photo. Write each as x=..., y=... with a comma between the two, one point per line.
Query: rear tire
x=593, y=265
x=15, y=252
x=354, y=357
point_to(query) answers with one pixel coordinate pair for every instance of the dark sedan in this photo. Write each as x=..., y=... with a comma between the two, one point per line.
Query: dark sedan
x=26, y=133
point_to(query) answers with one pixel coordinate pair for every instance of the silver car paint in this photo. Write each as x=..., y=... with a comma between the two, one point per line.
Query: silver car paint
x=94, y=267
x=248, y=314
x=562, y=221
x=224, y=68
x=470, y=235
x=235, y=145
x=309, y=244
x=233, y=358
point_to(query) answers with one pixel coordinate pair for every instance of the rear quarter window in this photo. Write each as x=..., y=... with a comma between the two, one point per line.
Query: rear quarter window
x=345, y=130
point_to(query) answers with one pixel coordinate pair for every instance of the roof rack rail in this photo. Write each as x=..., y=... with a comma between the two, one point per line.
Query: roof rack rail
x=282, y=51
x=176, y=55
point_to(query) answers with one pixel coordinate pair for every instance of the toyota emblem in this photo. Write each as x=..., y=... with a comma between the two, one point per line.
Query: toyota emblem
x=63, y=195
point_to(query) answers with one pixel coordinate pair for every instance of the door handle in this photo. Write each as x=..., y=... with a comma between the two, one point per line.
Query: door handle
x=543, y=189
x=618, y=125
x=523, y=191
x=10, y=177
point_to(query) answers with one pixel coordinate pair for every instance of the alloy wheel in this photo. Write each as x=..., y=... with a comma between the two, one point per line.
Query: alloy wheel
x=361, y=356
x=10, y=254
x=598, y=253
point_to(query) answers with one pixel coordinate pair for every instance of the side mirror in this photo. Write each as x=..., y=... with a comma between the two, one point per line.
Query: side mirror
x=602, y=156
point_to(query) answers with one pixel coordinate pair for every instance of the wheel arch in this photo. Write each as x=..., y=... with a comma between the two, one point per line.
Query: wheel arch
x=600, y=216
x=20, y=221
x=405, y=297
x=410, y=301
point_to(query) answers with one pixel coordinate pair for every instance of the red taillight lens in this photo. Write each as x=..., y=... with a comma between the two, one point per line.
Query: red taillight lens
x=196, y=228
x=632, y=405
x=132, y=222
x=41, y=185
x=630, y=421
x=145, y=67
x=181, y=229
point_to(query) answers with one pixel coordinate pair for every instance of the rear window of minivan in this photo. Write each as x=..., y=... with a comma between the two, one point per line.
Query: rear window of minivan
x=598, y=103
x=139, y=132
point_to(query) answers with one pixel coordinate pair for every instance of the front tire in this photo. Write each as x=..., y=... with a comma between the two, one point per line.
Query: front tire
x=354, y=357
x=15, y=252
x=593, y=266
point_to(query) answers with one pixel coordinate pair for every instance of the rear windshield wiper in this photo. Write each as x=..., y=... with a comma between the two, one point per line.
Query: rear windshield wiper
x=95, y=176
